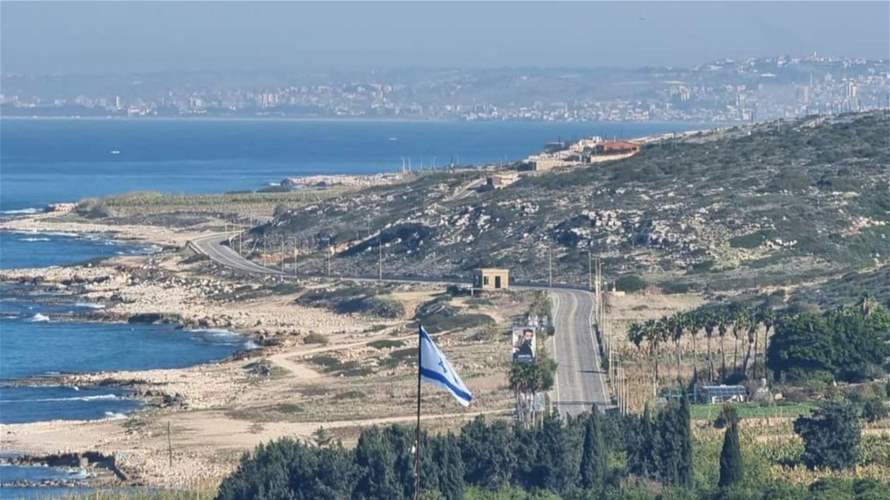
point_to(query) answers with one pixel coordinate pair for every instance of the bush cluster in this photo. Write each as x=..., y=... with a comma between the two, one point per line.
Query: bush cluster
x=848, y=344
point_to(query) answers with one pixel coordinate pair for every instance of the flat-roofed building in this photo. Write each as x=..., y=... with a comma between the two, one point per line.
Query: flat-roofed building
x=491, y=278
x=617, y=148
x=501, y=179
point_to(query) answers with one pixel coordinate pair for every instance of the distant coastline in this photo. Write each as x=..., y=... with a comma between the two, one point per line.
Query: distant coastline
x=356, y=120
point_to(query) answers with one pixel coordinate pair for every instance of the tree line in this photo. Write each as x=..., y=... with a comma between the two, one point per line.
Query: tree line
x=567, y=457
x=846, y=343
x=591, y=456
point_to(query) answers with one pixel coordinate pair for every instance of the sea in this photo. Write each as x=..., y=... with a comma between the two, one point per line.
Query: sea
x=46, y=161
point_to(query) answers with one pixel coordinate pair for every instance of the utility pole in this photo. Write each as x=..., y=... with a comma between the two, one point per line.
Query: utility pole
x=169, y=445
x=616, y=388
x=598, y=293
x=589, y=270
x=380, y=260
x=549, y=266
x=609, y=341
x=626, y=392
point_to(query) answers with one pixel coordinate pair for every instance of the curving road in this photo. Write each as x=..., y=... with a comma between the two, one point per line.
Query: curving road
x=580, y=380
x=211, y=246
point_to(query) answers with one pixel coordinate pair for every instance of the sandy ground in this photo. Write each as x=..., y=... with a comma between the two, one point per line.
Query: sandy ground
x=51, y=223
x=217, y=411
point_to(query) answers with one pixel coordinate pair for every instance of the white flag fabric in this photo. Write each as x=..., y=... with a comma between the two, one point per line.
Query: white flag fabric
x=435, y=369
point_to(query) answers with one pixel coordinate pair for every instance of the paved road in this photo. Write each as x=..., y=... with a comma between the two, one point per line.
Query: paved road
x=212, y=247
x=580, y=381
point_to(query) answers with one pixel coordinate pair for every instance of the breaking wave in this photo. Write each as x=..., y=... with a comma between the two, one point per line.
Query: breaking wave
x=98, y=397
x=89, y=305
x=21, y=211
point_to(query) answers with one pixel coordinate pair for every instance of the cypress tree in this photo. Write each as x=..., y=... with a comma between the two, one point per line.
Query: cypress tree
x=387, y=466
x=488, y=453
x=593, y=454
x=685, y=441
x=668, y=443
x=731, y=468
x=558, y=457
x=442, y=468
x=644, y=459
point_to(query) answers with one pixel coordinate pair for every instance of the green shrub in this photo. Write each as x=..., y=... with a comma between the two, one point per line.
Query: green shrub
x=630, y=283
x=315, y=338
x=874, y=409
x=752, y=240
x=386, y=344
x=92, y=208
x=375, y=306
x=831, y=436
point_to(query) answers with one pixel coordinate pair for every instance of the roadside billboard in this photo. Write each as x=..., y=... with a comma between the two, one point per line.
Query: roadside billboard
x=523, y=344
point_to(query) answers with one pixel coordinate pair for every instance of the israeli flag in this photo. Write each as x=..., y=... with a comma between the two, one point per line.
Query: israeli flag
x=435, y=369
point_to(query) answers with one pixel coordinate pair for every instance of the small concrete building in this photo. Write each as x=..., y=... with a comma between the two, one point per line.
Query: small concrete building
x=501, y=180
x=491, y=278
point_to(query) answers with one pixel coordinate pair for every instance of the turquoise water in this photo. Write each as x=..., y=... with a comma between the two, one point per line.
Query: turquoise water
x=18, y=250
x=37, y=339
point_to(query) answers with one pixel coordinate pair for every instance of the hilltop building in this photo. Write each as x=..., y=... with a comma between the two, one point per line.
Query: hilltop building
x=584, y=152
x=501, y=179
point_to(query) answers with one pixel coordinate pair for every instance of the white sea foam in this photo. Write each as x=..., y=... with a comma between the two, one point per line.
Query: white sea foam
x=21, y=211
x=35, y=239
x=114, y=415
x=215, y=332
x=89, y=305
x=251, y=345
x=39, y=318
x=97, y=397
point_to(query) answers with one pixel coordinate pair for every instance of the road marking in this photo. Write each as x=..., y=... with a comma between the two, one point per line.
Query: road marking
x=596, y=352
x=555, y=357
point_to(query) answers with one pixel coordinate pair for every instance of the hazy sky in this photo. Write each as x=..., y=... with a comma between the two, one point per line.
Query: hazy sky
x=85, y=37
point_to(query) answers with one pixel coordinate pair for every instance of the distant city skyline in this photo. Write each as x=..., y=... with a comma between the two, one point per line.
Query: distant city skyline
x=719, y=91
x=130, y=37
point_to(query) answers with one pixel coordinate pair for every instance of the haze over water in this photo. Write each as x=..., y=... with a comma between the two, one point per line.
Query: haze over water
x=47, y=161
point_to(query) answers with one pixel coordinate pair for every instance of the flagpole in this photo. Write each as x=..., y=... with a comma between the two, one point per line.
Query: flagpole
x=417, y=429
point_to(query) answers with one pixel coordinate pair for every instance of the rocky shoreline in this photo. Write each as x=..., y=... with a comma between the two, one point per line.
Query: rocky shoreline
x=96, y=469
x=173, y=286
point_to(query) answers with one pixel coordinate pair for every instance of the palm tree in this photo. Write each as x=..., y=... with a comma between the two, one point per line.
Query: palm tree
x=709, y=320
x=655, y=333
x=674, y=328
x=723, y=320
x=752, y=321
x=739, y=318
x=768, y=319
x=636, y=333
x=694, y=324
